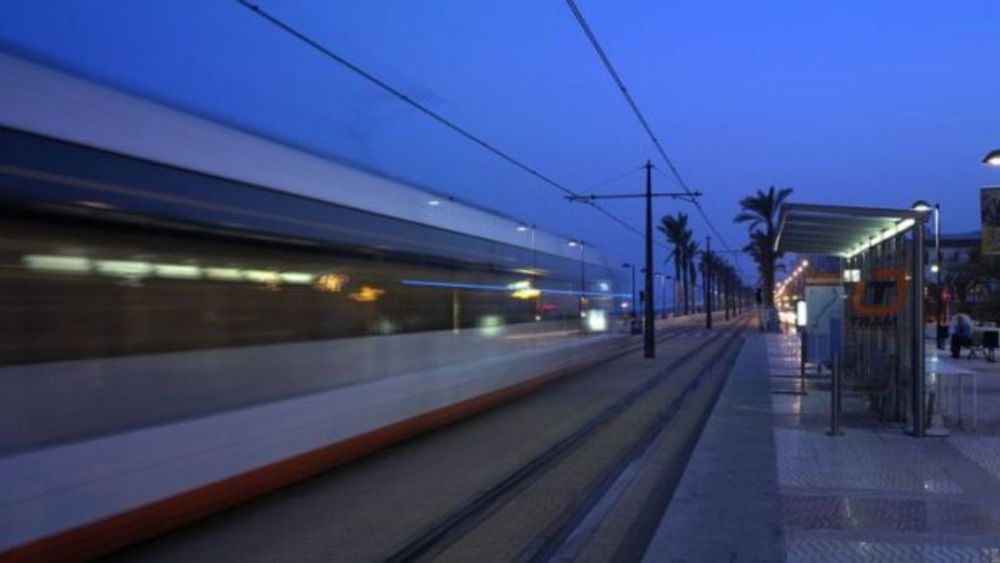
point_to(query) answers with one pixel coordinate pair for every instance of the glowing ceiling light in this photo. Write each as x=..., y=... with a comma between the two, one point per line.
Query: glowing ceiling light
x=434, y=202
x=262, y=276
x=124, y=268
x=224, y=274
x=297, y=277
x=54, y=263
x=884, y=235
x=177, y=271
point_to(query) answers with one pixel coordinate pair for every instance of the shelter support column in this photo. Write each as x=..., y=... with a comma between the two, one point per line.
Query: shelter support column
x=917, y=384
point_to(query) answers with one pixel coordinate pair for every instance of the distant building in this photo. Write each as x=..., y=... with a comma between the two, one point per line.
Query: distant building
x=957, y=248
x=969, y=280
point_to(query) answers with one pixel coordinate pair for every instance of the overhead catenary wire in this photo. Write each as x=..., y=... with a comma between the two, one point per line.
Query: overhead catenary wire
x=607, y=213
x=638, y=114
x=614, y=178
x=435, y=116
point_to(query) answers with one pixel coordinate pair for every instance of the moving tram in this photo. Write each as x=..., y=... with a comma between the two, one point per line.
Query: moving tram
x=188, y=308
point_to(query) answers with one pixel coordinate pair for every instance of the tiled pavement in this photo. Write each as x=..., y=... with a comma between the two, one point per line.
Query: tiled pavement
x=877, y=494
x=874, y=494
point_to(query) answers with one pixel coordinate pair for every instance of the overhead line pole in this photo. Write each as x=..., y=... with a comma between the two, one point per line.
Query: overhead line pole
x=649, y=335
x=649, y=317
x=708, y=283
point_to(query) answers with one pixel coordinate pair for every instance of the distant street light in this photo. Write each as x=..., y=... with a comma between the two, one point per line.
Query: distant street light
x=627, y=265
x=664, y=278
x=993, y=158
x=524, y=228
x=583, y=284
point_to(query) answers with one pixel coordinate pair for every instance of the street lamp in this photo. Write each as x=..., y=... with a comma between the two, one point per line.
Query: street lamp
x=524, y=228
x=663, y=286
x=936, y=268
x=993, y=158
x=583, y=285
x=664, y=278
x=633, y=313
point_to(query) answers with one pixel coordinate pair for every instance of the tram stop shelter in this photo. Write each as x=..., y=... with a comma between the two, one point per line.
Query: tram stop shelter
x=874, y=318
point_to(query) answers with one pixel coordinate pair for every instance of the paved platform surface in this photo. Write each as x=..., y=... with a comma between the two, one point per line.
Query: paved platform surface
x=767, y=484
x=727, y=505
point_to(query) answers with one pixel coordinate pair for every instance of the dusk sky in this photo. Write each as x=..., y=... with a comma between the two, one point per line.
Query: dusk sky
x=853, y=102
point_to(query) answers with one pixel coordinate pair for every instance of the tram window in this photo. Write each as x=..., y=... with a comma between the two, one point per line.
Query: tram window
x=81, y=291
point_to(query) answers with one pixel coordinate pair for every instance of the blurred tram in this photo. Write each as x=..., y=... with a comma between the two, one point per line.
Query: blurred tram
x=192, y=315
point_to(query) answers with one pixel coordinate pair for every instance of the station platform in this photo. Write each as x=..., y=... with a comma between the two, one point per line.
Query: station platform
x=766, y=482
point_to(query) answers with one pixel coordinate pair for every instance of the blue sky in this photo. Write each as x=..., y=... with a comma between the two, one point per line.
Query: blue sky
x=854, y=102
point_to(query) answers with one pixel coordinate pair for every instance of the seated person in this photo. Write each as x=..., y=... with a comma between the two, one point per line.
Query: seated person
x=961, y=333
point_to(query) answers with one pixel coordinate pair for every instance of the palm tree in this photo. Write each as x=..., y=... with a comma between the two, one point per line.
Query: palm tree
x=711, y=275
x=691, y=249
x=757, y=248
x=761, y=212
x=725, y=273
x=675, y=229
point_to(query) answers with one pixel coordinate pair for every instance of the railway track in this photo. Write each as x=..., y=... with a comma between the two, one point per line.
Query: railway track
x=437, y=540
x=529, y=480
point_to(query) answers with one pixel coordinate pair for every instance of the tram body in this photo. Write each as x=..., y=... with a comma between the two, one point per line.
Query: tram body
x=192, y=315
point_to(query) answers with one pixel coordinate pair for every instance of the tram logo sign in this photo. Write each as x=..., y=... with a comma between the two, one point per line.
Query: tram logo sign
x=877, y=302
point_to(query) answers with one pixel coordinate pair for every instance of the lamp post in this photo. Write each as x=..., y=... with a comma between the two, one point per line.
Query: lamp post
x=632, y=312
x=707, y=280
x=801, y=324
x=583, y=283
x=663, y=279
x=663, y=287
x=936, y=268
x=524, y=228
